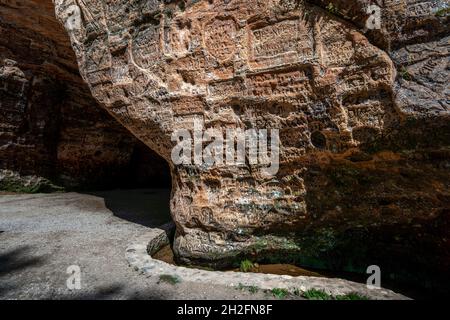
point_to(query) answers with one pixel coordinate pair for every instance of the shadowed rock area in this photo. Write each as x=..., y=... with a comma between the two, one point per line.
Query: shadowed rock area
x=52, y=131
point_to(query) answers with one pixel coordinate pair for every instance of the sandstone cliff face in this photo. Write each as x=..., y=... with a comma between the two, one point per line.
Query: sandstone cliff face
x=363, y=122
x=50, y=125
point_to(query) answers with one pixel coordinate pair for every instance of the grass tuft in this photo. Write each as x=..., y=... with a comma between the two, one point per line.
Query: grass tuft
x=352, y=296
x=405, y=74
x=170, y=279
x=251, y=289
x=442, y=12
x=279, y=293
x=246, y=266
x=314, y=294
x=332, y=9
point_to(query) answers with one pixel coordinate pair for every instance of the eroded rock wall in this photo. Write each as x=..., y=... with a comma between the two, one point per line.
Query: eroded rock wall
x=50, y=125
x=363, y=123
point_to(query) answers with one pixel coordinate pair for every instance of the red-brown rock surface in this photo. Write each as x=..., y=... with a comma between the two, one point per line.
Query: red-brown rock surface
x=50, y=126
x=363, y=118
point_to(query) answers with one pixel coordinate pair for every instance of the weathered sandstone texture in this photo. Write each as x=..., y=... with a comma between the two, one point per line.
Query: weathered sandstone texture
x=364, y=122
x=50, y=125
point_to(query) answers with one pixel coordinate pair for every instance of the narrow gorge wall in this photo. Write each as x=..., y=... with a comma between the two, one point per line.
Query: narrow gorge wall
x=363, y=118
x=50, y=125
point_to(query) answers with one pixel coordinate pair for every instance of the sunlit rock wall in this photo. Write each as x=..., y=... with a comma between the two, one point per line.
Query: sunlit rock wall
x=362, y=117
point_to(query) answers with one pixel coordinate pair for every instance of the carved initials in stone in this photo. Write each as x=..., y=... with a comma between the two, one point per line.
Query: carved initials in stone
x=146, y=47
x=220, y=38
x=281, y=43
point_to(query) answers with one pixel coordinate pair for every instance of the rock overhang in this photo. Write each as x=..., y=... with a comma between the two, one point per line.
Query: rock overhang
x=336, y=99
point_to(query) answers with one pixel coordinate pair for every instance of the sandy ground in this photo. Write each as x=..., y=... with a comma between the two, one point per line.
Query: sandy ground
x=42, y=235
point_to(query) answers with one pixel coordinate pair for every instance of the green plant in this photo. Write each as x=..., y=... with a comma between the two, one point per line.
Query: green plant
x=332, y=9
x=314, y=294
x=170, y=279
x=182, y=5
x=279, y=293
x=442, y=12
x=253, y=289
x=18, y=186
x=352, y=296
x=246, y=266
x=169, y=13
x=405, y=74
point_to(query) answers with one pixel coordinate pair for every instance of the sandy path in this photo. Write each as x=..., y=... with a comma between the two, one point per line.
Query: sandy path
x=41, y=235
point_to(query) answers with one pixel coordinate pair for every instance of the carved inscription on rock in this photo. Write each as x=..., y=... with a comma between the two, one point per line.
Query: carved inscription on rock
x=120, y=71
x=220, y=38
x=98, y=56
x=145, y=47
x=368, y=116
x=226, y=88
x=178, y=38
x=339, y=53
x=289, y=83
x=189, y=105
x=421, y=9
x=280, y=43
x=92, y=16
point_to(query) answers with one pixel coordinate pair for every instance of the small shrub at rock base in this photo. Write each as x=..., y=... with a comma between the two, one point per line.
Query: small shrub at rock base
x=352, y=296
x=279, y=293
x=314, y=294
x=251, y=289
x=246, y=266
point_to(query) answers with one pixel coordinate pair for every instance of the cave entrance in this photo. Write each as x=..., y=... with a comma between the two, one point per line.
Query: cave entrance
x=142, y=194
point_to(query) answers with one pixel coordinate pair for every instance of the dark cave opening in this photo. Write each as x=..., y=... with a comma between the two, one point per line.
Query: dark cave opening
x=142, y=194
x=147, y=169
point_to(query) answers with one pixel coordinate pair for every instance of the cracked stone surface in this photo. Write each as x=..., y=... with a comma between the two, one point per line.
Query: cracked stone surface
x=364, y=124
